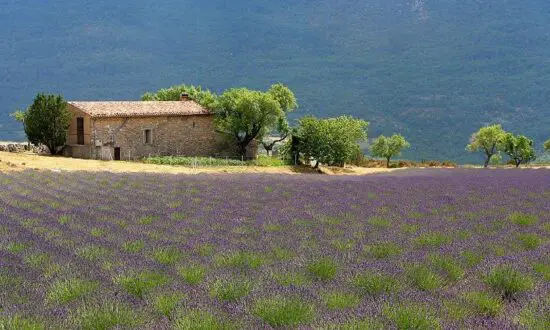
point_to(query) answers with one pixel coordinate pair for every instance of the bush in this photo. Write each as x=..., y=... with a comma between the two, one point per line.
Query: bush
x=262, y=160
x=323, y=269
x=280, y=312
x=508, y=282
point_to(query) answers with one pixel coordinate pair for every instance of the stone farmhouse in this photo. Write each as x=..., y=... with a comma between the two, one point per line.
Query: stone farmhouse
x=122, y=130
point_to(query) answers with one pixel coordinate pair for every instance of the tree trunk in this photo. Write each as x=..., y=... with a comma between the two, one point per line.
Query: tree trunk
x=518, y=163
x=487, y=160
x=316, y=164
x=388, y=162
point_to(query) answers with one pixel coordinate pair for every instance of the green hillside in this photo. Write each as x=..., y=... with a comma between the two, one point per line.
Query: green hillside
x=432, y=70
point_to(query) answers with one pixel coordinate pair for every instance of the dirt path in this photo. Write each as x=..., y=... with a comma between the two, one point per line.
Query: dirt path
x=22, y=161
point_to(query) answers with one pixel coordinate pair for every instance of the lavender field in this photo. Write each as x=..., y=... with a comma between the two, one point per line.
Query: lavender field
x=422, y=249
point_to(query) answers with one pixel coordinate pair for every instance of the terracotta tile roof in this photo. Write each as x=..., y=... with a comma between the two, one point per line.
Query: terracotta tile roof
x=140, y=108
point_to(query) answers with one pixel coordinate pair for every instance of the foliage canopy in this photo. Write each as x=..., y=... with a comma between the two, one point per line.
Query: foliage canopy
x=46, y=121
x=203, y=97
x=519, y=148
x=332, y=141
x=388, y=147
x=488, y=140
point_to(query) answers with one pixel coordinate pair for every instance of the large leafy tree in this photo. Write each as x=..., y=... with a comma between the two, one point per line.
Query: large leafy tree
x=204, y=97
x=46, y=121
x=288, y=103
x=331, y=141
x=388, y=147
x=547, y=145
x=249, y=115
x=488, y=140
x=519, y=148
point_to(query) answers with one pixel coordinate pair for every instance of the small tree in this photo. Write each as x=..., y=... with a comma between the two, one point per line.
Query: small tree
x=547, y=145
x=287, y=101
x=519, y=148
x=332, y=141
x=203, y=97
x=488, y=139
x=248, y=115
x=388, y=147
x=46, y=121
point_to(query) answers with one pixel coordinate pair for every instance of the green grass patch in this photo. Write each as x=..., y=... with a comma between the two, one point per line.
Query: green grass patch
x=323, y=269
x=523, y=219
x=343, y=245
x=147, y=220
x=241, y=259
x=92, y=252
x=200, y=320
x=18, y=322
x=411, y=317
x=379, y=222
x=133, y=246
x=543, y=270
x=64, y=219
x=341, y=300
x=508, y=282
x=141, y=283
x=410, y=228
x=422, y=278
x=284, y=312
x=530, y=241
x=107, y=316
x=37, y=260
x=167, y=255
x=432, y=239
x=482, y=303
x=97, y=232
x=64, y=291
x=165, y=304
x=383, y=250
x=205, y=249
x=231, y=289
x=291, y=279
x=374, y=284
x=283, y=254
x=472, y=258
x=192, y=274
x=448, y=266
x=272, y=227
x=16, y=247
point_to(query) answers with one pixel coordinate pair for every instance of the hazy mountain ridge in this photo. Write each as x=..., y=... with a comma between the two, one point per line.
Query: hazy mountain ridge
x=432, y=70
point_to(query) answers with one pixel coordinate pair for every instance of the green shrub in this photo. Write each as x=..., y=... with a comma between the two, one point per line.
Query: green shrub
x=508, y=282
x=200, y=320
x=231, y=290
x=133, y=246
x=542, y=269
x=192, y=274
x=290, y=279
x=523, y=219
x=167, y=256
x=166, y=303
x=241, y=259
x=323, y=269
x=105, y=317
x=284, y=312
x=141, y=283
x=373, y=284
x=383, y=250
x=19, y=323
x=341, y=300
x=423, y=278
x=530, y=241
x=406, y=317
x=484, y=304
x=449, y=266
x=432, y=239
x=379, y=222
x=64, y=291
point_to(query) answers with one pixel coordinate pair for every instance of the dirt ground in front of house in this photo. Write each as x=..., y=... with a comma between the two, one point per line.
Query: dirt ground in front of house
x=22, y=161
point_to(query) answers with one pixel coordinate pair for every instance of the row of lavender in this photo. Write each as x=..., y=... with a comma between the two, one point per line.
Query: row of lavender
x=426, y=249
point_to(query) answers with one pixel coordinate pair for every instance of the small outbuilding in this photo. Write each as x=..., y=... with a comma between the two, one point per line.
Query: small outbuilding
x=115, y=130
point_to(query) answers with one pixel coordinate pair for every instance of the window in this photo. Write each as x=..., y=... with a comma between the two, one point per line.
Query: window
x=148, y=136
x=80, y=130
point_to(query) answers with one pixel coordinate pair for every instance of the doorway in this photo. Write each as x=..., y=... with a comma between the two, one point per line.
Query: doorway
x=117, y=153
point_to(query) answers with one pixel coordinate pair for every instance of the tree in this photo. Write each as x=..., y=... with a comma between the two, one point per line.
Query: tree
x=332, y=141
x=547, y=145
x=203, y=97
x=388, y=147
x=519, y=148
x=288, y=103
x=46, y=121
x=249, y=115
x=488, y=139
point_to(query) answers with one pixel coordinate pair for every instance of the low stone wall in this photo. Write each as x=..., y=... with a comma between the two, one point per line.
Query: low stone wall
x=22, y=147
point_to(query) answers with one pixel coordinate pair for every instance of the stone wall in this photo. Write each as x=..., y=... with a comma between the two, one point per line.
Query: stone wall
x=170, y=135
x=71, y=134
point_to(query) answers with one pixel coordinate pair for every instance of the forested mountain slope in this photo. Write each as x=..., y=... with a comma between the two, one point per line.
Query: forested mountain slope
x=433, y=70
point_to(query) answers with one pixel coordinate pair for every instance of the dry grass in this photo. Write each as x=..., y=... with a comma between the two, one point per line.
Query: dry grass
x=22, y=161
